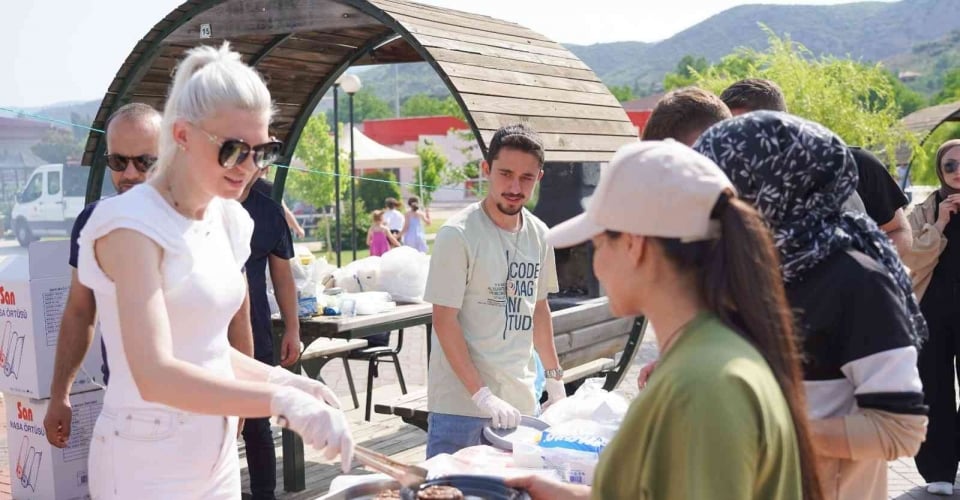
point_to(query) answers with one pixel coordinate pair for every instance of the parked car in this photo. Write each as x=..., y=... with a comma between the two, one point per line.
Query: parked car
x=50, y=202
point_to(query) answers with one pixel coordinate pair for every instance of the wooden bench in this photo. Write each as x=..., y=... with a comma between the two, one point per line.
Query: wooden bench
x=588, y=339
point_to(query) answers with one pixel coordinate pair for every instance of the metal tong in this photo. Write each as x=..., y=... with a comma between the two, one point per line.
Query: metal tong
x=410, y=476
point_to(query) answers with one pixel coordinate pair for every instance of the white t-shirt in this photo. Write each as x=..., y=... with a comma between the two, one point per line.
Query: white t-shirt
x=394, y=219
x=495, y=279
x=203, y=283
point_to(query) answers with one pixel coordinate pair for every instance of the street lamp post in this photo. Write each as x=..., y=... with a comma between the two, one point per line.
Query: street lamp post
x=336, y=168
x=351, y=85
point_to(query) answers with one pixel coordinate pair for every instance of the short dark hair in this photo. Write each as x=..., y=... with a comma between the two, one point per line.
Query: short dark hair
x=683, y=113
x=133, y=111
x=518, y=136
x=754, y=94
x=391, y=203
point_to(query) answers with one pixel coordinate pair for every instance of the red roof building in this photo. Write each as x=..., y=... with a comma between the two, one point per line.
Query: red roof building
x=394, y=131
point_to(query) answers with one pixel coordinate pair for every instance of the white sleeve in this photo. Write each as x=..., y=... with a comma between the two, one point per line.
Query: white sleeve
x=121, y=213
x=239, y=227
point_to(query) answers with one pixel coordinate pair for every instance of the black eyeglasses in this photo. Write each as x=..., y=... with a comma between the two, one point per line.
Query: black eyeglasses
x=118, y=163
x=950, y=166
x=233, y=152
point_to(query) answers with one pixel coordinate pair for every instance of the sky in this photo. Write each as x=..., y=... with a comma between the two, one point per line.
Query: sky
x=69, y=50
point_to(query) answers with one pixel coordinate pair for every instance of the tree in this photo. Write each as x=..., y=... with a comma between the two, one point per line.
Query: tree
x=908, y=99
x=375, y=187
x=366, y=106
x=951, y=88
x=425, y=105
x=854, y=100
x=468, y=173
x=432, y=165
x=315, y=149
x=58, y=145
x=684, y=75
x=623, y=93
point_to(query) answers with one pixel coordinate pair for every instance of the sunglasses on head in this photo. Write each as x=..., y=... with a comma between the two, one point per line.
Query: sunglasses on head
x=118, y=163
x=234, y=152
x=950, y=166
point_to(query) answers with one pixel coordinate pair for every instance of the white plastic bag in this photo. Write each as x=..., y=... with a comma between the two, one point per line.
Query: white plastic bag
x=403, y=274
x=359, y=276
x=590, y=402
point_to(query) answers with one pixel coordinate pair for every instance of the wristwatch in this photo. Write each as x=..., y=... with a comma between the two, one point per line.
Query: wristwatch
x=556, y=373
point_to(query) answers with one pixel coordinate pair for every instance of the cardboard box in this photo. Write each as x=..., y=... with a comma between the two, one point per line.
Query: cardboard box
x=39, y=470
x=33, y=293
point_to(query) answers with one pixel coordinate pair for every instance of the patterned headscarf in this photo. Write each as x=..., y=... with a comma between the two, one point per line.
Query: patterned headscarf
x=798, y=174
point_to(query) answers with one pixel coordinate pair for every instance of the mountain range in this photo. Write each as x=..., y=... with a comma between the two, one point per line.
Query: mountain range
x=908, y=36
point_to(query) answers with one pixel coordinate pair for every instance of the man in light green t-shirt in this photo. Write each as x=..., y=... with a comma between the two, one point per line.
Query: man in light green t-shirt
x=490, y=273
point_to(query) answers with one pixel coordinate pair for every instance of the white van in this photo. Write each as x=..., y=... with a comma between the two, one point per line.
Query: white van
x=50, y=202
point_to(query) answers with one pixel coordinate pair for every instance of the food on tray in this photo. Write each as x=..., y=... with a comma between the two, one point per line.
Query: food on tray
x=440, y=493
x=388, y=494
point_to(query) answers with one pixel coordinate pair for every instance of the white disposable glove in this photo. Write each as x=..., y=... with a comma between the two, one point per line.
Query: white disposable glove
x=281, y=376
x=504, y=415
x=555, y=392
x=319, y=425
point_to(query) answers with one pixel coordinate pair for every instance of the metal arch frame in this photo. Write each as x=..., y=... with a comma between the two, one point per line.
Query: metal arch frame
x=274, y=43
x=98, y=164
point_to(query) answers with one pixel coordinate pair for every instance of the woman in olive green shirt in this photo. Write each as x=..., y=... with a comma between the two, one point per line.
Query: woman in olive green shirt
x=723, y=415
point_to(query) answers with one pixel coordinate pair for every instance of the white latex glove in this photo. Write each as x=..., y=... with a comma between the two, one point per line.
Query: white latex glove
x=281, y=376
x=555, y=392
x=504, y=415
x=319, y=425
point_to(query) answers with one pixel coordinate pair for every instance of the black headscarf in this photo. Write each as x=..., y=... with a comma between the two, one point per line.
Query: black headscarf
x=797, y=174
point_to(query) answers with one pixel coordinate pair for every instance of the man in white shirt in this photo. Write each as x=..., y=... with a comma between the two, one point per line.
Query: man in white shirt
x=490, y=273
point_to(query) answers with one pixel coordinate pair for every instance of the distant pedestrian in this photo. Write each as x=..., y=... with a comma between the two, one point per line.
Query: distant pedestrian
x=415, y=222
x=393, y=216
x=379, y=238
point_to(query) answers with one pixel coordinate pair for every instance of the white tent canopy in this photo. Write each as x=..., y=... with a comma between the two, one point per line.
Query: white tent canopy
x=372, y=155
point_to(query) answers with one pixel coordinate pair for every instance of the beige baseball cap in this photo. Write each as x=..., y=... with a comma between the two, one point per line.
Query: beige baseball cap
x=650, y=188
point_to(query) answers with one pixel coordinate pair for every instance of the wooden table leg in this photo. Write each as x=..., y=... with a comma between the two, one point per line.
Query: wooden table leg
x=294, y=477
x=429, y=339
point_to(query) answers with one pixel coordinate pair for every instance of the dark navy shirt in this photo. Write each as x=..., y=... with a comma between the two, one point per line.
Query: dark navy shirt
x=81, y=221
x=271, y=236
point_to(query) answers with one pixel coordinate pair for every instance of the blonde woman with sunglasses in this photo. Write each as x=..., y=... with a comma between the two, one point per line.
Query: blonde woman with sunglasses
x=165, y=262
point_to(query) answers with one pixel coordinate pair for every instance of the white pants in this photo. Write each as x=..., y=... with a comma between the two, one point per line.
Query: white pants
x=163, y=454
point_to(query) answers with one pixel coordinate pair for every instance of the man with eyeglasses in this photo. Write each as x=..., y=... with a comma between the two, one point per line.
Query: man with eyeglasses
x=133, y=133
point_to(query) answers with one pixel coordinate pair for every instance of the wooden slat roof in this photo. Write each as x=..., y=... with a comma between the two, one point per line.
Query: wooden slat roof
x=500, y=72
x=924, y=121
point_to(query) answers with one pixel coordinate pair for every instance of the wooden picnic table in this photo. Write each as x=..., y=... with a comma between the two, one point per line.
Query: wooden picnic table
x=356, y=327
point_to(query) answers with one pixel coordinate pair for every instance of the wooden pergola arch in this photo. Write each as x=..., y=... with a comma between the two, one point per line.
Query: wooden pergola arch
x=499, y=72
